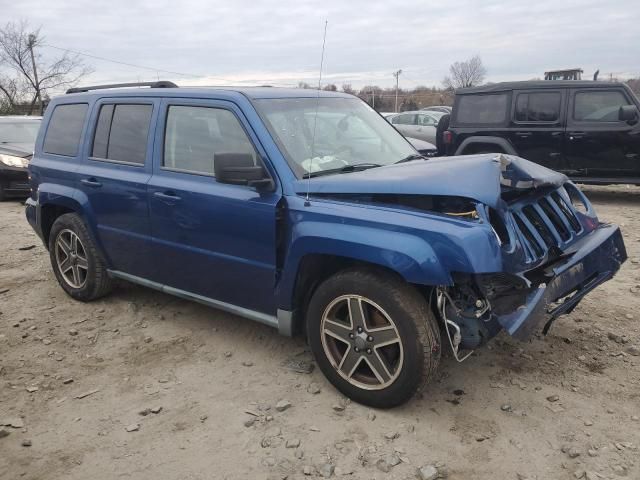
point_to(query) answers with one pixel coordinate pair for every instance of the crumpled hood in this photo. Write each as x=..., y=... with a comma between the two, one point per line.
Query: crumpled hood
x=479, y=177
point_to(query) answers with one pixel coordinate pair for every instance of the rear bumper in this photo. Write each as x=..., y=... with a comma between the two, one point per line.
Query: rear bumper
x=14, y=180
x=593, y=260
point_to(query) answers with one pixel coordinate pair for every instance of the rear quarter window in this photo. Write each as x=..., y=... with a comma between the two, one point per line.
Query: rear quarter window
x=489, y=109
x=65, y=129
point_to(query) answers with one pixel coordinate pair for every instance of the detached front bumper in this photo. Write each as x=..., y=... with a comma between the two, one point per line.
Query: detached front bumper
x=591, y=261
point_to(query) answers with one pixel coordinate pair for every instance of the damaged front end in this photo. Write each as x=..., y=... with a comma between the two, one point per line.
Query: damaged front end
x=547, y=247
x=554, y=251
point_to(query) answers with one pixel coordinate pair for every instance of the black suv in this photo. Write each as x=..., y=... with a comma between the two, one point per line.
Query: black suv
x=588, y=130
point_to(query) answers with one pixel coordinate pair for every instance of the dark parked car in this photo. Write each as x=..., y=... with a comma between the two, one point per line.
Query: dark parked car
x=588, y=130
x=424, y=148
x=308, y=212
x=17, y=139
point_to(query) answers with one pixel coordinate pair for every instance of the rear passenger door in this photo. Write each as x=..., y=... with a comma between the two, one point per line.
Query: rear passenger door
x=112, y=180
x=537, y=129
x=598, y=144
x=211, y=239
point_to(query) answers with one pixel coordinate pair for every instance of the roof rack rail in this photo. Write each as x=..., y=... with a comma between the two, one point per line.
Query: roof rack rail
x=158, y=84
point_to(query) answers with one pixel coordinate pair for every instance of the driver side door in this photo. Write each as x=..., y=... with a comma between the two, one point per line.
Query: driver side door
x=215, y=240
x=598, y=144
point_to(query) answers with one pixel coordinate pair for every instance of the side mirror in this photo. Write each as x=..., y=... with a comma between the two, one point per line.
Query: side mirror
x=628, y=113
x=240, y=169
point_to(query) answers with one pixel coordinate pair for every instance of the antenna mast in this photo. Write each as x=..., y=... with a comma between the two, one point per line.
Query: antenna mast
x=315, y=118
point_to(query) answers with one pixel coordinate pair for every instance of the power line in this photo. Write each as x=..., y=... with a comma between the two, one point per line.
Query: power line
x=143, y=67
x=160, y=70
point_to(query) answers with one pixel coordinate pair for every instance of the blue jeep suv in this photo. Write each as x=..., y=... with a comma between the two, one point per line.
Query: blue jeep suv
x=307, y=211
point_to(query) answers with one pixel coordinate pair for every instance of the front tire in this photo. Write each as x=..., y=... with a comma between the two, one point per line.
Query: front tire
x=76, y=261
x=373, y=336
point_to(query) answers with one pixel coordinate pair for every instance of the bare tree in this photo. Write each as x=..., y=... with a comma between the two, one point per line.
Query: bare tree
x=10, y=94
x=465, y=74
x=20, y=53
x=346, y=88
x=331, y=87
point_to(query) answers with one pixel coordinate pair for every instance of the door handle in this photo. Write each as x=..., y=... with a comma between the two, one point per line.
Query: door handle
x=91, y=182
x=167, y=197
x=523, y=134
x=632, y=156
x=576, y=135
x=554, y=154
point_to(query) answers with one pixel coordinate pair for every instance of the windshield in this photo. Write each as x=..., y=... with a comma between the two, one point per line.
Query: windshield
x=348, y=133
x=19, y=132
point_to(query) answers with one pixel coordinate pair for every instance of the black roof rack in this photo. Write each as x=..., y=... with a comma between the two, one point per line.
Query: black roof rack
x=158, y=84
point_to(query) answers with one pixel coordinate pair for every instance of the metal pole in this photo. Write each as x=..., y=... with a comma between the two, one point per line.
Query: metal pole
x=30, y=43
x=397, y=74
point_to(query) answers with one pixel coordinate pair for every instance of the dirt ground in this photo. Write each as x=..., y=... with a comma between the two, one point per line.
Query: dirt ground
x=491, y=417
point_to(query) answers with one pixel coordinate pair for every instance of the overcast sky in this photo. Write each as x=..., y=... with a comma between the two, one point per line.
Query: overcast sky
x=279, y=42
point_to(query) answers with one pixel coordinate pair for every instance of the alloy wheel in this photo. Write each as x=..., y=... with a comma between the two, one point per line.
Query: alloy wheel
x=71, y=258
x=362, y=342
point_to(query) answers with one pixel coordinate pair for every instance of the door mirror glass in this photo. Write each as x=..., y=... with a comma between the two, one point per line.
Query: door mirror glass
x=240, y=169
x=628, y=113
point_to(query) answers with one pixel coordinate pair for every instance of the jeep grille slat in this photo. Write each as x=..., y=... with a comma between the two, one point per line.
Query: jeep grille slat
x=546, y=224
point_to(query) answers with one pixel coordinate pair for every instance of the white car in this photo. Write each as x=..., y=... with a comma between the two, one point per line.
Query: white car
x=419, y=124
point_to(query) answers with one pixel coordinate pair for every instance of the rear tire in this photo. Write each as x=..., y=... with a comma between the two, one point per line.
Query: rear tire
x=373, y=336
x=77, y=263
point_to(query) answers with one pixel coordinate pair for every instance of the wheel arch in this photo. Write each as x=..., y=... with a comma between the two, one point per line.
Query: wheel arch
x=469, y=143
x=314, y=268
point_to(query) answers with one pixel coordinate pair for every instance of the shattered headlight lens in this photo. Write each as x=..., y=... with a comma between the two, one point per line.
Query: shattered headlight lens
x=12, y=161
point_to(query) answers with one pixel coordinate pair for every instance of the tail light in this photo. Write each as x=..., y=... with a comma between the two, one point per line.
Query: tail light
x=447, y=137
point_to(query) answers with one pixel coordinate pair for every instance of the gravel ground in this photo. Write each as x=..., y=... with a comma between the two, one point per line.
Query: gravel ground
x=172, y=389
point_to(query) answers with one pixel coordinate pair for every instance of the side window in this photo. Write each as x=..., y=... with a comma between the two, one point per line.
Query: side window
x=598, y=105
x=488, y=109
x=65, y=128
x=426, y=120
x=538, y=107
x=403, y=120
x=122, y=132
x=194, y=135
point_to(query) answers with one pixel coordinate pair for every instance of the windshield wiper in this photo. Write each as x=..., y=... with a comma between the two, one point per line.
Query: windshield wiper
x=413, y=156
x=346, y=169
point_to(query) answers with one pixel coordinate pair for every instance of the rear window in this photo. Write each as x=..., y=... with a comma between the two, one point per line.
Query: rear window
x=122, y=132
x=482, y=109
x=65, y=128
x=538, y=107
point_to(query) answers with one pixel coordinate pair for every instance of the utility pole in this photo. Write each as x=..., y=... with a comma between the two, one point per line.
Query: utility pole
x=31, y=41
x=397, y=74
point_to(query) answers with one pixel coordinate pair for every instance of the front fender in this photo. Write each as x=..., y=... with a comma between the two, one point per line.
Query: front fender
x=408, y=255
x=421, y=247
